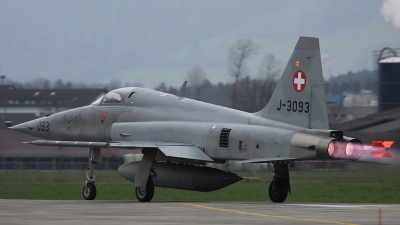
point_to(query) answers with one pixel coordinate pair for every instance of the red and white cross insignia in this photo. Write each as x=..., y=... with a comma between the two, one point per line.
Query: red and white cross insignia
x=299, y=81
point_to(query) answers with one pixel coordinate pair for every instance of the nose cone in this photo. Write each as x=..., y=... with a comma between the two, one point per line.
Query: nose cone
x=25, y=128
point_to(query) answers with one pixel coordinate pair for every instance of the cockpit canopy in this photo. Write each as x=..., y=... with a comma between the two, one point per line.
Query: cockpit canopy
x=116, y=96
x=112, y=98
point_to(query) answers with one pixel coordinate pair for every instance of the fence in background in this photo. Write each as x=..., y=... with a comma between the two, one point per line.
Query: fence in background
x=73, y=170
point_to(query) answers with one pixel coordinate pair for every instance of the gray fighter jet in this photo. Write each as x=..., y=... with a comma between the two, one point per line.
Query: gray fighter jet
x=178, y=135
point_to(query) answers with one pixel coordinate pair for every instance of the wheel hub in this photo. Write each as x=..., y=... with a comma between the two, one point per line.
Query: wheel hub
x=141, y=192
x=87, y=191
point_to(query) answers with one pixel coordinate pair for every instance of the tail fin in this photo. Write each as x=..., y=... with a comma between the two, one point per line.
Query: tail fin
x=299, y=97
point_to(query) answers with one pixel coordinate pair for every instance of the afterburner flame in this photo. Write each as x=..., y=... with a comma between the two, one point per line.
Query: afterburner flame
x=346, y=150
x=354, y=149
x=331, y=149
x=336, y=149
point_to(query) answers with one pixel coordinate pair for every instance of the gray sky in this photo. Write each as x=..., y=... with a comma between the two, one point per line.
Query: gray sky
x=152, y=41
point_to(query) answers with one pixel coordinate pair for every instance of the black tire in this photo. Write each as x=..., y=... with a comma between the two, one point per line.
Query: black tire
x=278, y=191
x=145, y=195
x=89, y=191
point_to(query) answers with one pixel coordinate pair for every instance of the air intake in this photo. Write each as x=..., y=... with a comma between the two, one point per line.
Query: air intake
x=224, y=137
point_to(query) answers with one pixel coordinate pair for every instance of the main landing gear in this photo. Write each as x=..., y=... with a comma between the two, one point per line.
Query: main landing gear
x=144, y=186
x=146, y=194
x=280, y=185
x=89, y=189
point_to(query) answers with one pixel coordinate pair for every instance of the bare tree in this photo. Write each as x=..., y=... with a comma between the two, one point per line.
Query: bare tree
x=238, y=53
x=247, y=101
x=270, y=69
x=197, y=79
x=41, y=83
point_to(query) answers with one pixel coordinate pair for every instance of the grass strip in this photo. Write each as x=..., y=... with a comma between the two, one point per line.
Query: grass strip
x=242, y=191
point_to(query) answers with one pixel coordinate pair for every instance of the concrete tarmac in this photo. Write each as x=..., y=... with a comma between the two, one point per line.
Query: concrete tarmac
x=132, y=212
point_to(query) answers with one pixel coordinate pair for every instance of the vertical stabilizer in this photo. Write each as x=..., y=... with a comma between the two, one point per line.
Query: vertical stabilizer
x=299, y=97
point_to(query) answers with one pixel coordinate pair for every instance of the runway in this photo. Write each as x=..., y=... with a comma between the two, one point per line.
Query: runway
x=133, y=212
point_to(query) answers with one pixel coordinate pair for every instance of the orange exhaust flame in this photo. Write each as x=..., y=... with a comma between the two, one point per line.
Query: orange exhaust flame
x=388, y=144
x=380, y=149
x=380, y=144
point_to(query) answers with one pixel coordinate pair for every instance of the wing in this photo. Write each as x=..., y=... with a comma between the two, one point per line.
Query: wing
x=265, y=160
x=171, y=149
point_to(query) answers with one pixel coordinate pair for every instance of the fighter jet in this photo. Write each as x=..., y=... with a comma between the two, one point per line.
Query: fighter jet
x=178, y=135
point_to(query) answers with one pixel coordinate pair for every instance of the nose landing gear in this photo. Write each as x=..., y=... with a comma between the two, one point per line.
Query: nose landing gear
x=89, y=189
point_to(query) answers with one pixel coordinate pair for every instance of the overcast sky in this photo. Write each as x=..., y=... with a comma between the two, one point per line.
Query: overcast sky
x=152, y=41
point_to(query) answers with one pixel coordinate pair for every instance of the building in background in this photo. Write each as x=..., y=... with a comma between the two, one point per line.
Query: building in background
x=21, y=105
x=389, y=83
x=387, y=66
x=346, y=107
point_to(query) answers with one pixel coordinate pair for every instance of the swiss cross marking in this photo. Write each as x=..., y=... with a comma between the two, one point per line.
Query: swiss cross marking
x=103, y=116
x=299, y=81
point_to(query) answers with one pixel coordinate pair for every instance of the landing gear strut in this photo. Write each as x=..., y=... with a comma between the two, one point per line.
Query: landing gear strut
x=89, y=189
x=144, y=186
x=280, y=185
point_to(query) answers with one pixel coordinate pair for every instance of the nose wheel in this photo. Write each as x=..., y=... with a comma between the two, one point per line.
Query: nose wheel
x=89, y=189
